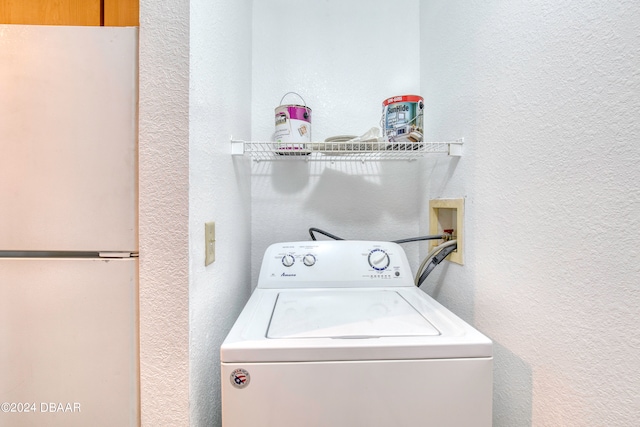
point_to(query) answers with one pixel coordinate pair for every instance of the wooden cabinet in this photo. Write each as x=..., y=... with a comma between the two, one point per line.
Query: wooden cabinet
x=118, y=13
x=121, y=13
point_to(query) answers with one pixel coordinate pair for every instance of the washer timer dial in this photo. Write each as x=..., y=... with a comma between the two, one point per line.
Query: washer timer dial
x=288, y=260
x=309, y=260
x=379, y=259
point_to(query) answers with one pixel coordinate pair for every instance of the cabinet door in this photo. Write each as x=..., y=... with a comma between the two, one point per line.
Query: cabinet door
x=50, y=12
x=111, y=13
x=121, y=13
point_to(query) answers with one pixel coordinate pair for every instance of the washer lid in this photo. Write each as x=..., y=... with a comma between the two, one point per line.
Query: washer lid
x=346, y=314
x=264, y=334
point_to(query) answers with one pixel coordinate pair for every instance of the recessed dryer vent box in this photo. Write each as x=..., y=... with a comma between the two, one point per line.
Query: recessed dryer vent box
x=448, y=214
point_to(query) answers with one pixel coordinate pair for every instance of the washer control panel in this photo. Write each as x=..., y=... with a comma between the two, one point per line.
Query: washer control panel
x=334, y=263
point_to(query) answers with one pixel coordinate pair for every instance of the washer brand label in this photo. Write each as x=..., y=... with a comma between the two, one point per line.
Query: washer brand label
x=240, y=378
x=288, y=275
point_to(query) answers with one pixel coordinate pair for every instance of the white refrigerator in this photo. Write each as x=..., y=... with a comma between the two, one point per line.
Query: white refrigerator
x=68, y=226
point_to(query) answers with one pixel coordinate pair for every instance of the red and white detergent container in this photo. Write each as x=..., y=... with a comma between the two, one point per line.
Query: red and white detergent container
x=293, y=126
x=403, y=118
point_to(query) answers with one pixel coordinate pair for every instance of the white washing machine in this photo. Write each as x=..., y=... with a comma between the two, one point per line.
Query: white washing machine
x=337, y=335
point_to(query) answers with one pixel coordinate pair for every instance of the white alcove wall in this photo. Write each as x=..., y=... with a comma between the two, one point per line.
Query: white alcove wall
x=220, y=72
x=344, y=58
x=547, y=96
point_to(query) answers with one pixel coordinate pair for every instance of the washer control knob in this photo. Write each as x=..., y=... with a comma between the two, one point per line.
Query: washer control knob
x=309, y=260
x=379, y=259
x=288, y=260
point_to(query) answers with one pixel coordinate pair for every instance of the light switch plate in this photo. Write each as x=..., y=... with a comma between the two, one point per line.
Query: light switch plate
x=209, y=242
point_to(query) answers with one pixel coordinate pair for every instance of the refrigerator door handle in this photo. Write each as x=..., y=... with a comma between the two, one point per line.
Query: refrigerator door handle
x=118, y=254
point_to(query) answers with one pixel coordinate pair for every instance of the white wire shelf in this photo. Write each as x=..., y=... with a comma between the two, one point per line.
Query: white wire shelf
x=343, y=151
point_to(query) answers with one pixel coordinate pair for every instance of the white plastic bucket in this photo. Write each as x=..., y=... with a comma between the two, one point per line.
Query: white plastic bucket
x=293, y=125
x=403, y=118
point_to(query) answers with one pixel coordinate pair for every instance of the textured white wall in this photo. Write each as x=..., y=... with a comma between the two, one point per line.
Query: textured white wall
x=164, y=212
x=220, y=93
x=547, y=99
x=344, y=58
x=547, y=95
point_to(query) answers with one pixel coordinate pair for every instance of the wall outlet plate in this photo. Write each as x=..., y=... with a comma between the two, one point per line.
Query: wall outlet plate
x=445, y=214
x=209, y=242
